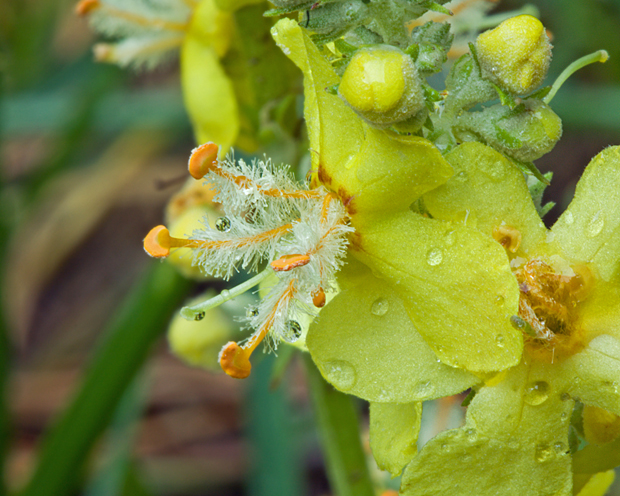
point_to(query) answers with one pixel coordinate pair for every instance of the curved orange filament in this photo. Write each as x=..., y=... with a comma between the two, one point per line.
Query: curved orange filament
x=234, y=359
x=85, y=7
x=204, y=159
x=158, y=241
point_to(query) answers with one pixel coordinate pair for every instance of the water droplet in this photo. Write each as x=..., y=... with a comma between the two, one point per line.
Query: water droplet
x=565, y=396
x=500, y=340
x=434, y=257
x=251, y=312
x=223, y=224
x=471, y=434
x=293, y=331
x=462, y=176
x=536, y=393
x=199, y=316
x=560, y=448
x=423, y=390
x=341, y=374
x=596, y=224
x=495, y=171
x=450, y=238
x=569, y=218
x=564, y=416
x=543, y=453
x=499, y=299
x=513, y=445
x=225, y=293
x=379, y=307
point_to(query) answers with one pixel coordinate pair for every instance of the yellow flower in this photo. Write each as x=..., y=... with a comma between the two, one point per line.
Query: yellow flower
x=569, y=311
x=223, y=92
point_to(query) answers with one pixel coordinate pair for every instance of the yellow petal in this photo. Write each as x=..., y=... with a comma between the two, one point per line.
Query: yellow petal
x=489, y=189
x=364, y=344
x=335, y=131
x=507, y=446
x=589, y=230
x=456, y=284
x=394, y=432
x=208, y=95
x=598, y=484
x=593, y=375
x=600, y=426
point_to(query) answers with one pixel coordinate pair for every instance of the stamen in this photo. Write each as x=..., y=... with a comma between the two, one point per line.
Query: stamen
x=87, y=6
x=289, y=262
x=158, y=241
x=203, y=159
x=318, y=298
x=325, y=208
x=234, y=359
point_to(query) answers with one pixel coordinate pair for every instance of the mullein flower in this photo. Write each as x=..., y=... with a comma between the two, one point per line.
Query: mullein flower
x=568, y=313
x=300, y=232
x=152, y=32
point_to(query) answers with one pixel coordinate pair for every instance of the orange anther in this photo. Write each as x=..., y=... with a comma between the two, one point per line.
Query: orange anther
x=508, y=237
x=203, y=159
x=85, y=7
x=318, y=298
x=234, y=360
x=288, y=262
x=157, y=242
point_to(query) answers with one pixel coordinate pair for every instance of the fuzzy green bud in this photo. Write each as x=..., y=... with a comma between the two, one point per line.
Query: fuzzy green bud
x=516, y=54
x=526, y=133
x=381, y=85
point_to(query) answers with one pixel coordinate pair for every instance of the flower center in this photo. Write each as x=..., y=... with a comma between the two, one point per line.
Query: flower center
x=550, y=293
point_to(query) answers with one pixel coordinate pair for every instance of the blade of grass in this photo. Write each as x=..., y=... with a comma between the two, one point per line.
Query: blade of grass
x=338, y=424
x=129, y=338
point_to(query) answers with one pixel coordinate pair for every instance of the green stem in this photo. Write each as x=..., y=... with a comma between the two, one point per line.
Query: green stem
x=138, y=323
x=598, y=56
x=338, y=424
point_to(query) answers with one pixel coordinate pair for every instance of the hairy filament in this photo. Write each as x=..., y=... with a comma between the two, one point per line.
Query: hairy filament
x=196, y=312
x=235, y=359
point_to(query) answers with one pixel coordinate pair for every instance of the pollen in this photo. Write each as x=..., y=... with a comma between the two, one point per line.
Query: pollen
x=289, y=262
x=508, y=237
x=550, y=293
x=203, y=159
x=235, y=361
x=157, y=242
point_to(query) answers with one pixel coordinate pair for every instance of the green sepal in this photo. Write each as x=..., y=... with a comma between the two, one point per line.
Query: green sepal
x=539, y=94
x=465, y=86
x=470, y=396
x=505, y=98
x=435, y=7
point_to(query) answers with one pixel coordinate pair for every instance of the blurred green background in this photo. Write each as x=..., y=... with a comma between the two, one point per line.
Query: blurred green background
x=90, y=154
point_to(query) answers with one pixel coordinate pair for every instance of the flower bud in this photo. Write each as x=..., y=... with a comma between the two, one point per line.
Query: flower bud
x=516, y=54
x=525, y=133
x=381, y=85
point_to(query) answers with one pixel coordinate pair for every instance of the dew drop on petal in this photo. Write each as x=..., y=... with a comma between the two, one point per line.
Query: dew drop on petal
x=471, y=434
x=596, y=224
x=449, y=238
x=536, y=393
x=379, y=307
x=569, y=218
x=560, y=448
x=543, y=453
x=223, y=224
x=462, y=176
x=341, y=374
x=500, y=340
x=293, y=331
x=434, y=256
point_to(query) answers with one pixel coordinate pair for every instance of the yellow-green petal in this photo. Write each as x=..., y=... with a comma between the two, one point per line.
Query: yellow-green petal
x=589, y=229
x=456, y=284
x=208, y=95
x=394, y=432
x=597, y=484
x=334, y=129
x=593, y=375
x=364, y=344
x=512, y=444
x=488, y=191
